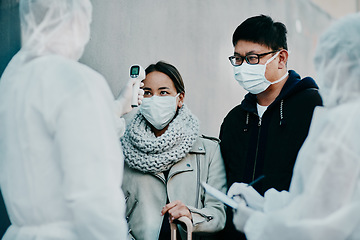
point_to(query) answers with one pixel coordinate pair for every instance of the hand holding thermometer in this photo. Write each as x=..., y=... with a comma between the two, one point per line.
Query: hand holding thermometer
x=136, y=71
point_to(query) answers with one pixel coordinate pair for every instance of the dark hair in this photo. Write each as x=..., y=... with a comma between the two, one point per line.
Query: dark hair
x=262, y=30
x=170, y=71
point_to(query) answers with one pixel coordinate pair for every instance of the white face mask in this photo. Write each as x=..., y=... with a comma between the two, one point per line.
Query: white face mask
x=159, y=111
x=252, y=77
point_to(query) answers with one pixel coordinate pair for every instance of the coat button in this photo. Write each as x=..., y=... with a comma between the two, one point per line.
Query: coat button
x=200, y=148
x=188, y=165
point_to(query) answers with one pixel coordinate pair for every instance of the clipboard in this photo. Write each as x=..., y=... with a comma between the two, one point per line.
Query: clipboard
x=219, y=195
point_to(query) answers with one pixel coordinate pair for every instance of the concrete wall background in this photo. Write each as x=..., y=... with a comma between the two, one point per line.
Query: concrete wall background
x=195, y=36
x=338, y=8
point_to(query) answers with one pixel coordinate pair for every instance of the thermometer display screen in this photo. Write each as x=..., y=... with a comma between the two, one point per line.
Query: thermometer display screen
x=134, y=70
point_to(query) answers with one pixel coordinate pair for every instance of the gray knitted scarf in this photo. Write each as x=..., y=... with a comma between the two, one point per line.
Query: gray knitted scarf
x=147, y=153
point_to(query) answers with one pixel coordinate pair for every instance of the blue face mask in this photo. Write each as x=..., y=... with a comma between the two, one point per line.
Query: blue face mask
x=159, y=111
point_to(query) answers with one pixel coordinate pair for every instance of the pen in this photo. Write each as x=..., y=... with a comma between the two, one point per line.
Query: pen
x=256, y=180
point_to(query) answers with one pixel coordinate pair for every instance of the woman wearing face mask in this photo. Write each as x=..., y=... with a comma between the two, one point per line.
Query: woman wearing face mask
x=166, y=160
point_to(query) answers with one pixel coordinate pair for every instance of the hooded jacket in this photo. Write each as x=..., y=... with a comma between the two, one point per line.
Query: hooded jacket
x=252, y=146
x=323, y=199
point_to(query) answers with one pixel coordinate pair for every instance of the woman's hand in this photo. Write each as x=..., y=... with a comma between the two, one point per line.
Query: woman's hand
x=176, y=209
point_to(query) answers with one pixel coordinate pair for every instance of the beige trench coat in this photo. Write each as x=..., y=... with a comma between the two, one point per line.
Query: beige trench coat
x=146, y=194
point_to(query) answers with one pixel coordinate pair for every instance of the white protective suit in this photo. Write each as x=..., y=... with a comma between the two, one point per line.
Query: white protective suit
x=324, y=197
x=60, y=159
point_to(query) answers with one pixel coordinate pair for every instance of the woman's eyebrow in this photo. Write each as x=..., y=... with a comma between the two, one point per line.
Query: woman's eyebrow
x=160, y=88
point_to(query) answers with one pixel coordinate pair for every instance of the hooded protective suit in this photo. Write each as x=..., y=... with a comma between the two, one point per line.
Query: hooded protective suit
x=60, y=160
x=324, y=197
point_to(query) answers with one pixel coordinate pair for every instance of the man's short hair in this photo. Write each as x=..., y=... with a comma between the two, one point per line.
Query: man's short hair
x=262, y=30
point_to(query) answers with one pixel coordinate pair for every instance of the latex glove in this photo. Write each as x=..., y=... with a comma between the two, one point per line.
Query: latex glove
x=122, y=104
x=241, y=215
x=252, y=198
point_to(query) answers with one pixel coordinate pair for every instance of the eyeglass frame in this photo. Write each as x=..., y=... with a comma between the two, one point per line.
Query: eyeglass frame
x=247, y=60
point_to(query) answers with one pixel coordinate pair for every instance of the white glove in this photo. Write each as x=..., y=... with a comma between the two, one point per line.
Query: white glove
x=122, y=104
x=241, y=214
x=250, y=195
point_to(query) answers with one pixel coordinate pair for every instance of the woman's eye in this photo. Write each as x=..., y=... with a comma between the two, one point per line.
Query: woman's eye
x=164, y=93
x=147, y=93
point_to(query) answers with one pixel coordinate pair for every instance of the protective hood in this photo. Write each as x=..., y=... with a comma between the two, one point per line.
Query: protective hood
x=60, y=27
x=337, y=62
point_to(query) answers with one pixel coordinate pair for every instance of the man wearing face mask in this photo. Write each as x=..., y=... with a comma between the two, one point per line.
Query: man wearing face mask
x=263, y=134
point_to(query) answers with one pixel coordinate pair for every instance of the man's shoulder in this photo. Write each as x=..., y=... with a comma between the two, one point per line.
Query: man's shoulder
x=309, y=95
x=235, y=111
x=233, y=115
x=305, y=89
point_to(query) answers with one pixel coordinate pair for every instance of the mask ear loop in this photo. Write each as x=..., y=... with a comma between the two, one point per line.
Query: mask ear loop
x=282, y=78
x=177, y=95
x=272, y=58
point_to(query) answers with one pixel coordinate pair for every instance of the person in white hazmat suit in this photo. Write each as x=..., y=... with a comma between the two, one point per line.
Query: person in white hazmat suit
x=61, y=162
x=323, y=201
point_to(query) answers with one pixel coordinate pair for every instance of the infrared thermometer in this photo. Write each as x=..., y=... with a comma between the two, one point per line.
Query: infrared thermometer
x=136, y=71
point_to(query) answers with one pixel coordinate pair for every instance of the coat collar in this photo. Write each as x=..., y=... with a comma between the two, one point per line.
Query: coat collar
x=198, y=147
x=185, y=164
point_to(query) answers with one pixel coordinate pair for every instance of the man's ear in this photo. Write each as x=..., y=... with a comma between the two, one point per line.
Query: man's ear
x=181, y=99
x=283, y=57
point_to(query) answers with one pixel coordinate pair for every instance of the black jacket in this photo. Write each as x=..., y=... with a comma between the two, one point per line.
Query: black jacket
x=252, y=147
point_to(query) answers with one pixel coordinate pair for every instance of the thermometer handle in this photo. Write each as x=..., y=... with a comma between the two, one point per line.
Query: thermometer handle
x=135, y=93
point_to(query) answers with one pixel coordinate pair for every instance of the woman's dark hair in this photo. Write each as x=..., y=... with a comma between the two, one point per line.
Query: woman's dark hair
x=170, y=71
x=262, y=30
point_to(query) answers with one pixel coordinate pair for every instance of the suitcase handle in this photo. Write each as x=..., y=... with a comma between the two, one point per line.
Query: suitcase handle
x=189, y=227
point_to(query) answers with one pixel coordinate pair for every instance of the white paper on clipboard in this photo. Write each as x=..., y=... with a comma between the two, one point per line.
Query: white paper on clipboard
x=219, y=195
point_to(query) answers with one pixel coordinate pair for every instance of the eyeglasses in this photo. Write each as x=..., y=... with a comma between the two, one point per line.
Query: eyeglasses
x=250, y=59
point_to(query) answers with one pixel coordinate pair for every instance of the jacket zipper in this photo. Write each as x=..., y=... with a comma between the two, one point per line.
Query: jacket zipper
x=131, y=210
x=198, y=181
x=206, y=217
x=257, y=148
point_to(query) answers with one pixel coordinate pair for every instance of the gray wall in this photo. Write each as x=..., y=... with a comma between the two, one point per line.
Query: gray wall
x=195, y=36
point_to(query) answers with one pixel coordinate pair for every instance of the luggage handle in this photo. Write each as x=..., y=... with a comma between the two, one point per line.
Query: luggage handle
x=189, y=227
